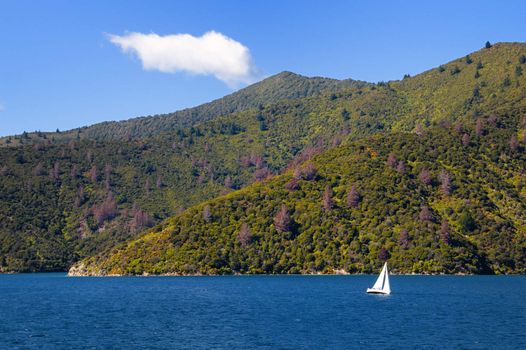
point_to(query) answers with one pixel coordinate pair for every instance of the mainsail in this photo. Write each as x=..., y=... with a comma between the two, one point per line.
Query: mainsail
x=382, y=283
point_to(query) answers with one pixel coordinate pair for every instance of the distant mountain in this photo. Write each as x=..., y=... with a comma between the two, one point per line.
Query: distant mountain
x=279, y=87
x=62, y=201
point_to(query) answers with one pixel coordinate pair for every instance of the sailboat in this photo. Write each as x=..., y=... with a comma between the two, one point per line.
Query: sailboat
x=381, y=285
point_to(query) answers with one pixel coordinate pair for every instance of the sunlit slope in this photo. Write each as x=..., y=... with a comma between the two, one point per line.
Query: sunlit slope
x=428, y=204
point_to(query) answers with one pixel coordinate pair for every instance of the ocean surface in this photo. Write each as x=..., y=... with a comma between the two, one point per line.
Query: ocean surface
x=53, y=311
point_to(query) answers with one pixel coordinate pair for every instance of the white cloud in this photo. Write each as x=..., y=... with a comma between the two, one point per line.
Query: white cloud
x=211, y=54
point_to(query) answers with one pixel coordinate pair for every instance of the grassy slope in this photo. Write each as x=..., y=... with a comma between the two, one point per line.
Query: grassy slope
x=438, y=94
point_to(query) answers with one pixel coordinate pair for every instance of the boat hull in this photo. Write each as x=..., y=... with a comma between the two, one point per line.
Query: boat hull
x=377, y=291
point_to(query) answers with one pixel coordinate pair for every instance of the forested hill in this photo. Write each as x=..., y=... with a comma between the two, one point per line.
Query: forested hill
x=280, y=87
x=62, y=201
x=434, y=202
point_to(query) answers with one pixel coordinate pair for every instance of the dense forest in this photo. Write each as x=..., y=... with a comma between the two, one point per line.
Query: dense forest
x=89, y=194
x=432, y=202
x=440, y=188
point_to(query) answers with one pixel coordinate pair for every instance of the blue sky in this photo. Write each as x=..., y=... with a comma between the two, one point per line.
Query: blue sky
x=60, y=69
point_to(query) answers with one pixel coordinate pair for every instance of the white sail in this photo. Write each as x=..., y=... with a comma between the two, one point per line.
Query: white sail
x=387, y=287
x=381, y=286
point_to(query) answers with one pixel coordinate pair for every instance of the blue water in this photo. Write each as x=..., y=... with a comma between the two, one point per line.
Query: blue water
x=52, y=311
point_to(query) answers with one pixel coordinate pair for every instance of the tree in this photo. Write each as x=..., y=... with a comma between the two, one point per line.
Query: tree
x=262, y=125
x=39, y=170
x=207, y=216
x=392, y=161
x=282, y=220
x=309, y=171
x=403, y=238
x=80, y=197
x=345, y=114
x=297, y=174
x=228, y=182
x=105, y=211
x=444, y=233
x=245, y=235
x=92, y=174
x=55, y=173
x=476, y=91
x=262, y=174
x=419, y=130
x=468, y=59
x=479, y=127
x=74, y=171
x=147, y=187
x=71, y=145
x=259, y=161
x=466, y=221
x=345, y=129
x=425, y=176
x=445, y=182
x=466, y=140
x=425, y=214
x=336, y=141
x=141, y=219
x=492, y=119
x=4, y=170
x=107, y=174
x=455, y=70
x=292, y=185
x=327, y=201
x=353, y=197
x=458, y=126
x=514, y=144
x=401, y=168
x=522, y=59
x=383, y=254
x=488, y=45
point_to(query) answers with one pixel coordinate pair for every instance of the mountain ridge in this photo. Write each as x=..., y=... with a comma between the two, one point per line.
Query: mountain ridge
x=282, y=86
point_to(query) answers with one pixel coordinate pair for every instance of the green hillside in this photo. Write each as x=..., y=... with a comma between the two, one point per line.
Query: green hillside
x=430, y=204
x=66, y=184
x=487, y=80
x=62, y=201
x=280, y=87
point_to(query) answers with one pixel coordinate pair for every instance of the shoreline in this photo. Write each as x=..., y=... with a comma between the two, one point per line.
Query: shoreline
x=67, y=274
x=172, y=274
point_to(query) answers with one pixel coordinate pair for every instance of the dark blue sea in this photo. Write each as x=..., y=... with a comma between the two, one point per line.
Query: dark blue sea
x=52, y=311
